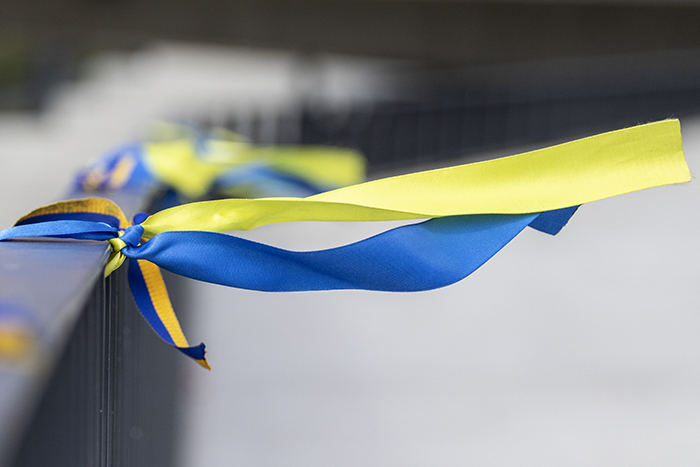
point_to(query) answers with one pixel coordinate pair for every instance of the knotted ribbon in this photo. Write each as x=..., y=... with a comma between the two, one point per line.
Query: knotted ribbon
x=194, y=162
x=473, y=211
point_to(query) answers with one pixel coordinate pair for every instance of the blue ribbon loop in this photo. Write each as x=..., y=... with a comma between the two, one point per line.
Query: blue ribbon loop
x=423, y=256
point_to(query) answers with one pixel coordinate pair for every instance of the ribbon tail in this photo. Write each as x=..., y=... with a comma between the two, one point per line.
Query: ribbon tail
x=114, y=262
x=551, y=222
x=148, y=289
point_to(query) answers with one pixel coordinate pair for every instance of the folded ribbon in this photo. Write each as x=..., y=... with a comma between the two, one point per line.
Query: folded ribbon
x=472, y=210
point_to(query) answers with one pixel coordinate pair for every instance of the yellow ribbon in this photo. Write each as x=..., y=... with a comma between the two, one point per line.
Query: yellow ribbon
x=565, y=175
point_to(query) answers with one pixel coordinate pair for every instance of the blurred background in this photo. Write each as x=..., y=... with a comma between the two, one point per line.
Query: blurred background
x=578, y=349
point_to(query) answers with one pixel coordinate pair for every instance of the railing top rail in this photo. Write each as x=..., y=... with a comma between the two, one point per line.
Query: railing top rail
x=43, y=288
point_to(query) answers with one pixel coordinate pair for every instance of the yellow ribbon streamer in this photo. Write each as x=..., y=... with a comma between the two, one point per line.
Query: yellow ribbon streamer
x=568, y=174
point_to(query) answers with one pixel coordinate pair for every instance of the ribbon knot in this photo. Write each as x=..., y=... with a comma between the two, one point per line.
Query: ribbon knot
x=129, y=237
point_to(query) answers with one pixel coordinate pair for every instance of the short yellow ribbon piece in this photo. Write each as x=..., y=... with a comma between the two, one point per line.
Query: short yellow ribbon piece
x=116, y=257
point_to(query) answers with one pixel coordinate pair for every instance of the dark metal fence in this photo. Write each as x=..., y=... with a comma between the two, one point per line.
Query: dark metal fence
x=111, y=399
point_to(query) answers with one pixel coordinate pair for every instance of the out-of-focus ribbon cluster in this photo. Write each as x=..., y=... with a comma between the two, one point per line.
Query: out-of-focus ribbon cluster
x=469, y=213
x=196, y=162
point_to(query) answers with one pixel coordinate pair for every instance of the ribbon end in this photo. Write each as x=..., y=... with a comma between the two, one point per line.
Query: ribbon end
x=196, y=353
x=116, y=259
x=551, y=222
x=203, y=362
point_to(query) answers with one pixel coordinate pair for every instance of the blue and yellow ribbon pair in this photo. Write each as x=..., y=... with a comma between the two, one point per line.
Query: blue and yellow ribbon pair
x=101, y=219
x=472, y=211
x=194, y=163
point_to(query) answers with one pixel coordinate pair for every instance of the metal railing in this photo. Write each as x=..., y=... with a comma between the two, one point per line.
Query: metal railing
x=100, y=389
